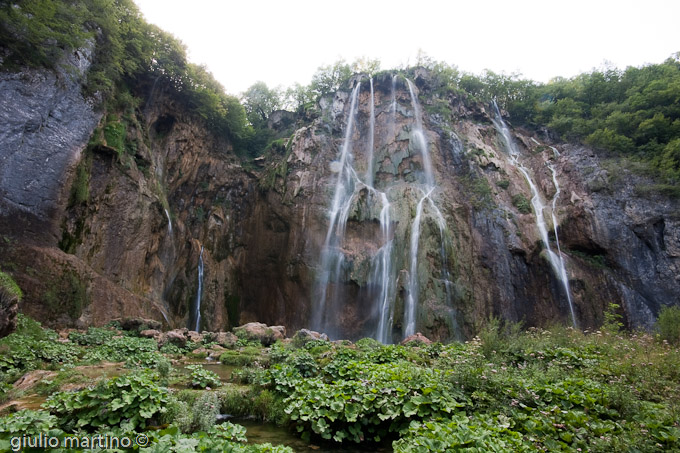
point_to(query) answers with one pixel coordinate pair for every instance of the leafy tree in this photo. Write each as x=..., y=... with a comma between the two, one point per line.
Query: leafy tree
x=297, y=97
x=364, y=65
x=330, y=78
x=259, y=102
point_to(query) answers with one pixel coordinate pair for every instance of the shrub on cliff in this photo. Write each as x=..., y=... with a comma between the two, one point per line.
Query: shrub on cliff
x=10, y=296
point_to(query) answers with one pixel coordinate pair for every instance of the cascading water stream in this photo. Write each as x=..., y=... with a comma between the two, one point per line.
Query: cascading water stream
x=167, y=214
x=331, y=254
x=393, y=106
x=197, y=312
x=383, y=274
x=563, y=269
x=556, y=261
x=420, y=137
x=411, y=305
x=413, y=287
x=152, y=94
x=371, y=139
x=352, y=192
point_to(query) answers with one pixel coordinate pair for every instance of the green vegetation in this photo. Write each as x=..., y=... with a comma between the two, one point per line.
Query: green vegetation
x=669, y=324
x=479, y=189
x=505, y=390
x=80, y=190
x=521, y=203
x=133, y=399
x=556, y=390
x=9, y=290
x=631, y=113
x=202, y=378
x=129, y=53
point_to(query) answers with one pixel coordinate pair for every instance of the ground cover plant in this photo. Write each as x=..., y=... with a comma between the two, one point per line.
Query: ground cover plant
x=554, y=389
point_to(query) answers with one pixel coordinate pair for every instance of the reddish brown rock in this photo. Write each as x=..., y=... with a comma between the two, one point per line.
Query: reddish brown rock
x=150, y=333
x=176, y=337
x=226, y=339
x=418, y=338
x=261, y=332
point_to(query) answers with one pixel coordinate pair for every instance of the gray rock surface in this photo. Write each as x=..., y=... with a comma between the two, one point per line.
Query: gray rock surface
x=44, y=125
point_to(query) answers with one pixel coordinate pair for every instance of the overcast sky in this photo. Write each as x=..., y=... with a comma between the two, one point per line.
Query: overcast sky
x=282, y=42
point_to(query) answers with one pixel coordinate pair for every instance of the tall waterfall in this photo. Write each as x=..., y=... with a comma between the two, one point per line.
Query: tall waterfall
x=371, y=139
x=197, y=312
x=358, y=193
x=419, y=135
x=332, y=256
x=563, y=269
x=556, y=261
x=412, y=298
x=383, y=274
x=411, y=305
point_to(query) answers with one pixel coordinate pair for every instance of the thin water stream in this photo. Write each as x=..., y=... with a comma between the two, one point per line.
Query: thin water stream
x=199, y=293
x=555, y=259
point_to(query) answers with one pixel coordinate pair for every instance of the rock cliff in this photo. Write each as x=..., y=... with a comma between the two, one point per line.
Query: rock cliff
x=93, y=231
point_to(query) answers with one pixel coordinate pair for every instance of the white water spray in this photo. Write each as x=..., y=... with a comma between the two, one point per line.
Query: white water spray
x=383, y=274
x=200, y=291
x=413, y=287
x=419, y=136
x=167, y=214
x=371, y=140
x=563, y=269
x=332, y=256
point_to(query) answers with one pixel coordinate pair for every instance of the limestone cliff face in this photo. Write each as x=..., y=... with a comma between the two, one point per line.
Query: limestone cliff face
x=618, y=246
x=95, y=233
x=46, y=123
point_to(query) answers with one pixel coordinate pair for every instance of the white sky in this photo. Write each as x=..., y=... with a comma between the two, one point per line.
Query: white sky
x=282, y=42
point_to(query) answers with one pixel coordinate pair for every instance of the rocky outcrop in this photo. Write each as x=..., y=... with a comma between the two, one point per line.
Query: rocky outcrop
x=96, y=232
x=416, y=339
x=619, y=245
x=45, y=123
x=303, y=336
x=263, y=333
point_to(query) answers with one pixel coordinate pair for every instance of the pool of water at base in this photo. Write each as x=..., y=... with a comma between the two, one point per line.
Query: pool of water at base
x=259, y=432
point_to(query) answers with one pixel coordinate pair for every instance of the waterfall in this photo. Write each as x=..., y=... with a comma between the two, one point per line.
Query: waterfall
x=332, y=256
x=556, y=261
x=371, y=140
x=393, y=106
x=197, y=312
x=413, y=287
x=383, y=274
x=357, y=193
x=167, y=214
x=420, y=137
x=411, y=305
x=152, y=94
x=563, y=269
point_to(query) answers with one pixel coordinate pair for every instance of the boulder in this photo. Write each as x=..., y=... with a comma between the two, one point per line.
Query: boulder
x=137, y=324
x=195, y=336
x=266, y=335
x=150, y=333
x=176, y=337
x=302, y=336
x=418, y=338
x=226, y=339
